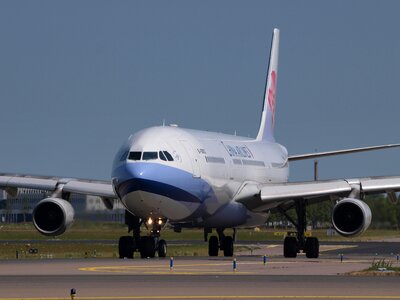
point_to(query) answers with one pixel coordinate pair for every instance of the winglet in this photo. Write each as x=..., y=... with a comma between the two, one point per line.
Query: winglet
x=266, y=130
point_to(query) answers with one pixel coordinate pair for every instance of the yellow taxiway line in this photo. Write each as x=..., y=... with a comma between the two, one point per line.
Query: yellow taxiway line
x=212, y=297
x=337, y=247
x=179, y=269
x=193, y=269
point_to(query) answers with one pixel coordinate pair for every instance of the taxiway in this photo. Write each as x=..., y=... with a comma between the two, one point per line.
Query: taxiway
x=205, y=278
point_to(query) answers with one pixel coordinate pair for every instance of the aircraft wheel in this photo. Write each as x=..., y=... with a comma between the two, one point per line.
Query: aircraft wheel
x=290, y=246
x=147, y=247
x=162, y=248
x=213, y=246
x=228, y=246
x=312, y=247
x=125, y=247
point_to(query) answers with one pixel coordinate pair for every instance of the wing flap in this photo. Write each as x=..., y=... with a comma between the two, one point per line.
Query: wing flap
x=380, y=184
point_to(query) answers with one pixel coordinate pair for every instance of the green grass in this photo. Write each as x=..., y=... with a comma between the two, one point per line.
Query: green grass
x=86, y=232
x=379, y=268
x=81, y=230
x=378, y=265
x=58, y=250
x=88, y=250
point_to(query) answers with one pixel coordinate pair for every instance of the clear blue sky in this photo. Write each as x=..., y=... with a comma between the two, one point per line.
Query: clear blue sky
x=78, y=77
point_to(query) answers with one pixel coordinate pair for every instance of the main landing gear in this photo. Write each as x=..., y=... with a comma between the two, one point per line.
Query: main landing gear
x=222, y=242
x=146, y=245
x=296, y=242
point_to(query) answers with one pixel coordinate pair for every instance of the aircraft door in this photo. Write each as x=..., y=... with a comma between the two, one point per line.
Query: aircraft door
x=193, y=157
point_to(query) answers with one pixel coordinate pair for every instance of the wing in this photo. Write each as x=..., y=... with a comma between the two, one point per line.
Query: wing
x=55, y=214
x=103, y=189
x=339, y=152
x=272, y=197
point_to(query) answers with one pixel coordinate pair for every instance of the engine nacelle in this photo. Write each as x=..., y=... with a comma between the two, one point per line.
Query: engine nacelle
x=52, y=216
x=351, y=217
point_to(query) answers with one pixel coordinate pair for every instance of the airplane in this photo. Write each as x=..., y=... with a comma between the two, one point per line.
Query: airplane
x=199, y=179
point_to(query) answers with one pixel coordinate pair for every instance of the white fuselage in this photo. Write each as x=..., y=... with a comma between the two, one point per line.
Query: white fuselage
x=192, y=177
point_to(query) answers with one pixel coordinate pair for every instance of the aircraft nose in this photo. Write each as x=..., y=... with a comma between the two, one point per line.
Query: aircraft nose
x=142, y=171
x=161, y=180
x=137, y=177
x=138, y=170
x=129, y=171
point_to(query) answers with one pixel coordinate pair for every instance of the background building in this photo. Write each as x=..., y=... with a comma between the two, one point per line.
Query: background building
x=19, y=208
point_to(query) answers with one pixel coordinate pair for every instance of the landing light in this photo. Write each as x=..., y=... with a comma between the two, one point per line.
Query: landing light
x=150, y=221
x=160, y=222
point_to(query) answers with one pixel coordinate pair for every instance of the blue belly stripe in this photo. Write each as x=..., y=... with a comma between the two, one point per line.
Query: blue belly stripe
x=159, y=188
x=163, y=180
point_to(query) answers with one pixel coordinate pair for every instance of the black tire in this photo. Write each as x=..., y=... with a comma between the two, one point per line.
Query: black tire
x=228, y=246
x=213, y=246
x=147, y=247
x=143, y=247
x=151, y=247
x=290, y=247
x=312, y=247
x=162, y=248
x=125, y=247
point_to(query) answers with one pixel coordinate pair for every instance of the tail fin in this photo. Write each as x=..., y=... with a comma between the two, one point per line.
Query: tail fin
x=266, y=131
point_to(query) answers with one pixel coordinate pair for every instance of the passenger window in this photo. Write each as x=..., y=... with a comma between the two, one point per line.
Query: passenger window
x=168, y=156
x=135, y=155
x=162, y=156
x=150, y=155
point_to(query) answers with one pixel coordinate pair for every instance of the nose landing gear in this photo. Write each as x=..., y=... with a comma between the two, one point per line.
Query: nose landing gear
x=148, y=246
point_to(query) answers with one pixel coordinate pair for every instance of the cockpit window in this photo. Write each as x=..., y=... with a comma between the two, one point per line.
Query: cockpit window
x=124, y=156
x=134, y=155
x=150, y=155
x=168, y=156
x=162, y=156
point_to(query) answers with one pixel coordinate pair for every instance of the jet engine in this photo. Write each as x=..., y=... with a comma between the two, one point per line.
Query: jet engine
x=351, y=217
x=52, y=216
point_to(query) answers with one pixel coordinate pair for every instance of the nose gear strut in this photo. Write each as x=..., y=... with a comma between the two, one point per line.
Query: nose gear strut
x=146, y=245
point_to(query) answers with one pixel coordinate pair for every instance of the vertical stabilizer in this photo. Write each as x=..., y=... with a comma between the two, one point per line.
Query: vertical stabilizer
x=266, y=131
